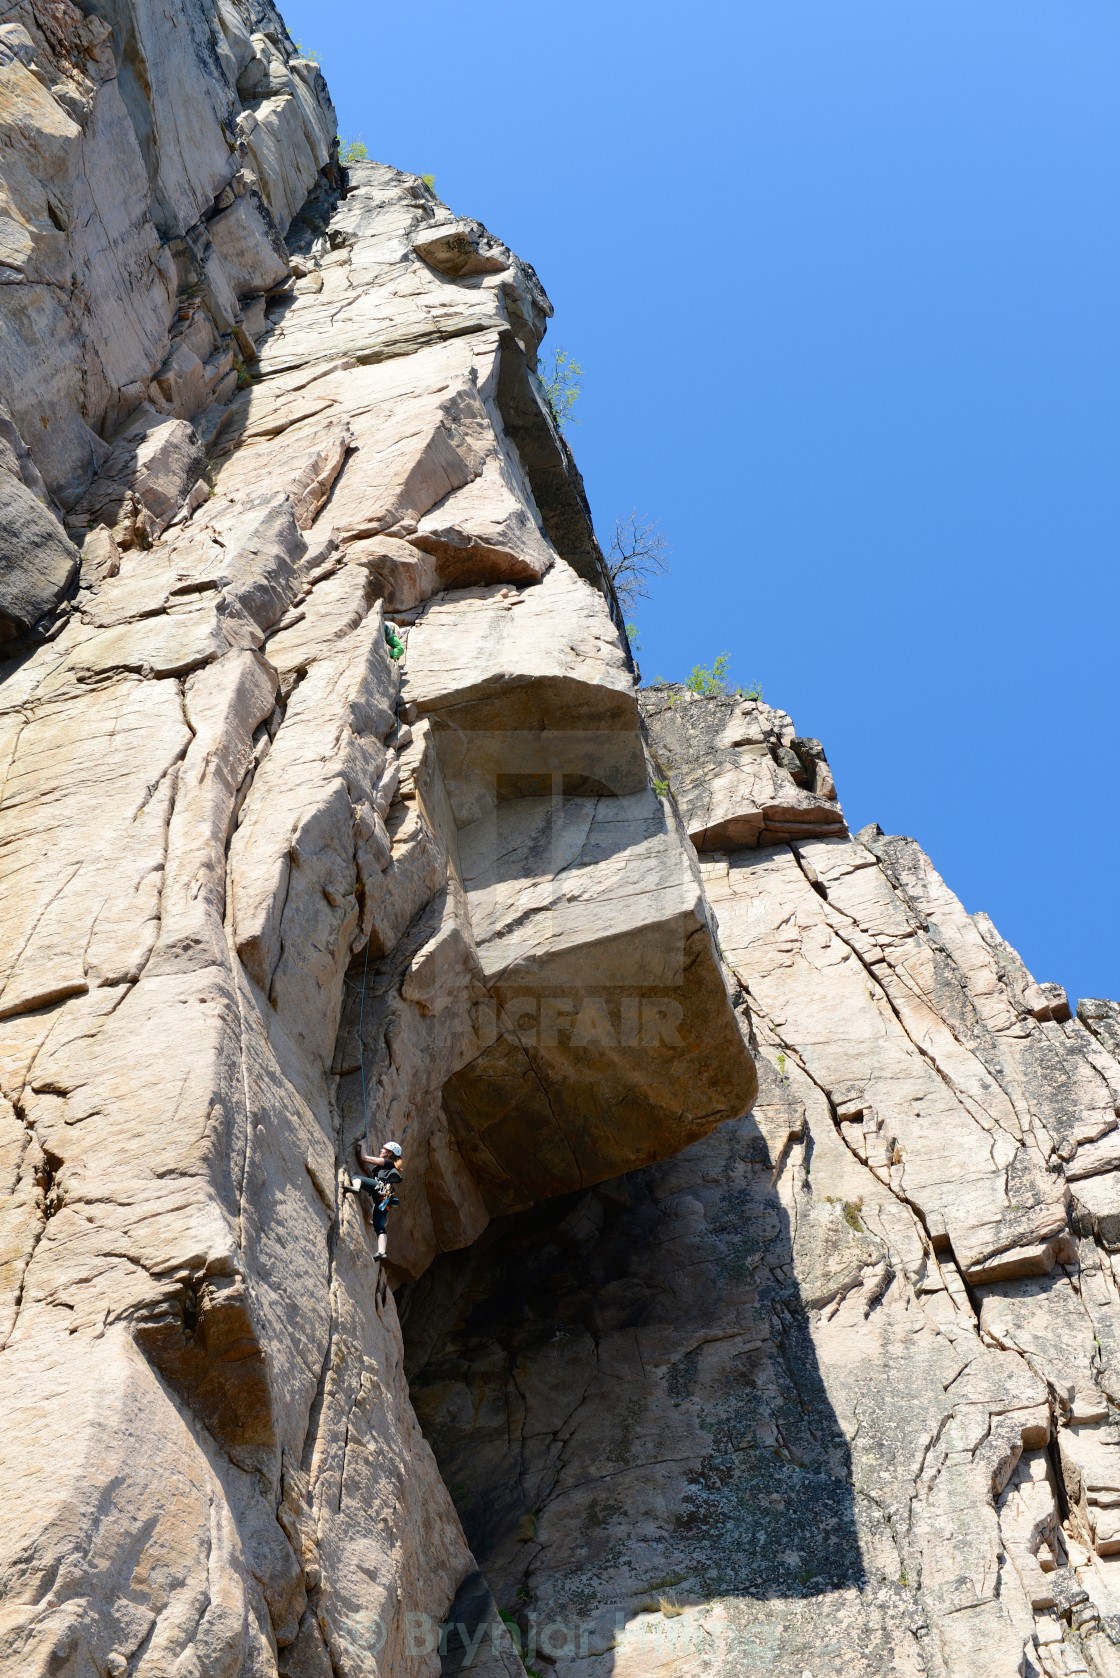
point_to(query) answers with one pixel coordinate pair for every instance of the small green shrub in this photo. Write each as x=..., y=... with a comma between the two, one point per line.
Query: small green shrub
x=709, y=681
x=429, y=181
x=660, y=787
x=306, y=52
x=353, y=150
x=753, y=690
x=244, y=376
x=562, y=388
x=633, y=638
x=852, y=1209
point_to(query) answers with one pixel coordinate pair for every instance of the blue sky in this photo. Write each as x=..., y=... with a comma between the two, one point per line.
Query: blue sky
x=844, y=277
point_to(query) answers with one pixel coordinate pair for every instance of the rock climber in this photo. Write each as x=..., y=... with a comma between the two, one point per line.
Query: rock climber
x=380, y=1173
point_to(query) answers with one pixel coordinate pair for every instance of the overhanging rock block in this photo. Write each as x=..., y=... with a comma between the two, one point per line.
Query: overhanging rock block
x=528, y=692
x=609, y=1038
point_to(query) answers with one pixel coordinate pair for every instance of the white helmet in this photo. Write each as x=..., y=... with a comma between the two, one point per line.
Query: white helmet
x=392, y=1148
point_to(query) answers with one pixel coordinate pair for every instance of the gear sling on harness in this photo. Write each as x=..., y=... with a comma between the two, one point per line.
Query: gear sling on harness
x=380, y=1190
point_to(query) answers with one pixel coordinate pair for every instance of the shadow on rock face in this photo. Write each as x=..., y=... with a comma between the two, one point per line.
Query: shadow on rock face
x=623, y=1395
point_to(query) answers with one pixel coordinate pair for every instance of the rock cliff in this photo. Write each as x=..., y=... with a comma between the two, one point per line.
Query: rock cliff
x=331, y=808
x=833, y=1391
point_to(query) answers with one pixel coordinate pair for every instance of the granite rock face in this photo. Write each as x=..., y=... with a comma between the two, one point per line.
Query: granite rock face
x=149, y=171
x=740, y=775
x=37, y=562
x=834, y=1390
x=331, y=808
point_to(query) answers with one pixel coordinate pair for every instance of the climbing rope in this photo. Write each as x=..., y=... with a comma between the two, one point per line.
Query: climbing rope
x=362, y=1045
x=396, y=652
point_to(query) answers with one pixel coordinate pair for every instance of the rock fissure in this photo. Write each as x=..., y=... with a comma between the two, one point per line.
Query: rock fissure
x=899, y=975
x=877, y=980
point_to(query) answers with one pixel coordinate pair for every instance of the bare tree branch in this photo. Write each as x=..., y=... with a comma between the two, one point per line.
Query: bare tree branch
x=638, y=553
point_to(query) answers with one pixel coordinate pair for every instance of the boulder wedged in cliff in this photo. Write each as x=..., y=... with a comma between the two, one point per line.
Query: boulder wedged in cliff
x=432, y=464
x=484, y=528
x=739, y=775
x=606, y=1032
x=460, y=250
x=609, y=1035
x=152, y=463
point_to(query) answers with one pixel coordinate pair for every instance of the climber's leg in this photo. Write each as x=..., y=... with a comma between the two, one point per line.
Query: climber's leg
x=380, y=1218
x=355, y=1185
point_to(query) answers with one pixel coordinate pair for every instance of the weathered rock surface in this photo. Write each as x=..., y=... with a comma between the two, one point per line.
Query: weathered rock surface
x=739, y=774
x=37, y=562
x=834, y=1390
x=245, y=866
x=596, y=948
x=139, y=210
x=827, y=1386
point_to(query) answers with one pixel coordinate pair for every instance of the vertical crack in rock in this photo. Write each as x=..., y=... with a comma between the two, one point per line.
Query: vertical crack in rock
x=42, y=1173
